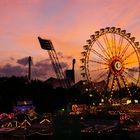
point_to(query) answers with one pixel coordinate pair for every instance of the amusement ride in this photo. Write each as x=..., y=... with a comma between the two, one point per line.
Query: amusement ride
x=111, y=62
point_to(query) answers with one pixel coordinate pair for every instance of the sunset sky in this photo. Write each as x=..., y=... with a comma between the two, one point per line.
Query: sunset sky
x=68, y=23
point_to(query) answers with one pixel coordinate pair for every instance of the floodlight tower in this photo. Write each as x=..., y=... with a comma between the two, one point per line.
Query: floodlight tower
x=29, y=70
x=47, y=45
x=70, y=73
x=73, y=63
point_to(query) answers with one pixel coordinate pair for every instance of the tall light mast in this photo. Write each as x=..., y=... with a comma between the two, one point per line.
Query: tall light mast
x=29, y=69
x=47, y=45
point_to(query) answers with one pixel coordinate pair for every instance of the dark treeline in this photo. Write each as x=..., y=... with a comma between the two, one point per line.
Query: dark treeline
x=47, y=99
x=43, y=96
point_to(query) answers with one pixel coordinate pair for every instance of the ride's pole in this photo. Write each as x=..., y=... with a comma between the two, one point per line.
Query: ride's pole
x=73, y=63
x=29, y=70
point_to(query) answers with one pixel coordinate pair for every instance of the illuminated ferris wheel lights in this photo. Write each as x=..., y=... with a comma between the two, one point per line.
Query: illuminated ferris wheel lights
x=84, y=82
x=86, y=89
x=102, y=100
x=90, y=95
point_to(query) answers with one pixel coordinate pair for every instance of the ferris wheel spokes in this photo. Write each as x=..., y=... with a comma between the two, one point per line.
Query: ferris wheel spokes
x=131, y=77
x=126, y=57
x=99, y=69
x=124, y=50
x=102, y=49
x=106, y=40
x=113, y=44
x=99, y=55
x=108, y=80
x=120, y=45
x=102, y=63
x=99, y=76
x=128, y=63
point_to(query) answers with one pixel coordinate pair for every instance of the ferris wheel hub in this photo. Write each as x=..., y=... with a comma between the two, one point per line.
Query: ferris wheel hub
x=116, y=66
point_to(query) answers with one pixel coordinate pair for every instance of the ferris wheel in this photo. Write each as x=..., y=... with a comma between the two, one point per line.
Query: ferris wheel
x=111, y=60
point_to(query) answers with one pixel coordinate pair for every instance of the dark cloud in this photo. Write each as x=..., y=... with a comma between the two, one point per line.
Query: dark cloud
x=64, y=65
x=23, y=61
x=42, y=73
x=44, y=69
x=36, y=72
x=44, y=64
x=48, y=65
x=65, y=61
x=40, y=70
x=9, y=70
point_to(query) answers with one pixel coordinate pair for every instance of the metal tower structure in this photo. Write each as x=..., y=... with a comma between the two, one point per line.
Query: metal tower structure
x=47, y=45
x=73, y=63
x=29, y=70
x=70, y=73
